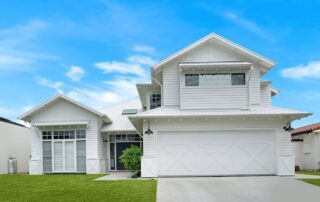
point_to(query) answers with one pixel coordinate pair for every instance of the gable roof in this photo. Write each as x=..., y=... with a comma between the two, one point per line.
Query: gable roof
x=306, y=129
x=28, y=114
x=120, y=121
x=265, y=62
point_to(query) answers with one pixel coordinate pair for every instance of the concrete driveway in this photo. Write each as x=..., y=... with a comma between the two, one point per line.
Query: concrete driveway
x=236, y=189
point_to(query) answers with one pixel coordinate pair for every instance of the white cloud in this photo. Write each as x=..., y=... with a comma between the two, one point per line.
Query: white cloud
x=112, y=92
x=13, y=60
x=5, y=112
x=245, y=23
x=13, y=113
x=120, y=67
x=75, y=73
x=55, y=85
x=20, y=47
x=143, y=60
x=144, y=49
x=95, y=98
x=310, y=70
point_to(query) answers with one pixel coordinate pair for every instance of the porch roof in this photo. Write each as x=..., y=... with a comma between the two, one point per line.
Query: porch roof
x=167, y=112
x=120, y=121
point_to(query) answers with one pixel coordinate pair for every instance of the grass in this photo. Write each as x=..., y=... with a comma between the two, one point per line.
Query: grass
x=308, y=172
x=311, y=181
x=75, y=187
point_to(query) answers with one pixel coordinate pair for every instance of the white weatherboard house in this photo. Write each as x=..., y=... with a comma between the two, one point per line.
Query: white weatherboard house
x=306, y=146
x=207, y=112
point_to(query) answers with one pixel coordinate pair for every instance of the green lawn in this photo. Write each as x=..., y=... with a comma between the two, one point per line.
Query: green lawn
x=308, y=172
x=46, y=188
x=311, y=181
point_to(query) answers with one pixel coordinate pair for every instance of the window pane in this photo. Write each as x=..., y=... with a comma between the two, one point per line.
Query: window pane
x=58, y=156
x=238, y=79
x=72, y=134
x=81, y=156
x=215, y=80
x=47, y=157
x=155, y=100
x=81, y=134
x=192, y=80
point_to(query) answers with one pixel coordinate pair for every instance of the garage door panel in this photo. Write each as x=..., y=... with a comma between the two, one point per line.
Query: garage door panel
x=175, y=154
x=216, y=153
x=213, y=158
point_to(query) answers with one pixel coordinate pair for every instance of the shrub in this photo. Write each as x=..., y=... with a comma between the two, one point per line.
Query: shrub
x=131, y=158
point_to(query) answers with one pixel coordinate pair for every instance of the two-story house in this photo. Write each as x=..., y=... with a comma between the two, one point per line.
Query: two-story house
x=206, y=112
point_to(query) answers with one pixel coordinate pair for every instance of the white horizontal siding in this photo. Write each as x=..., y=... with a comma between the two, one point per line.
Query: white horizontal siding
x=254, y=87
x=284, y=143
x=35, y=144
x=266, y=96
x=171, y=85
x=214, y=97
x=64, y=111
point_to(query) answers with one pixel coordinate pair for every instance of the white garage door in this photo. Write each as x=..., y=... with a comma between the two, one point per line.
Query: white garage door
x=216, y=153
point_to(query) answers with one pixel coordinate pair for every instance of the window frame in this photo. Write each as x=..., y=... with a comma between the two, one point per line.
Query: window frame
x=197, y=83
x=157, y=103
x=230, y=80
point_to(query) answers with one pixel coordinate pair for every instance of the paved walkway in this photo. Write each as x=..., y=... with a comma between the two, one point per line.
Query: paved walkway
x=303, y=176
x=236, y=189
x=117, y=176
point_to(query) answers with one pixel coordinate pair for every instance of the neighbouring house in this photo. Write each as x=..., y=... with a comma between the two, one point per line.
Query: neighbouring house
x=306, y=146
x=15, y=142
x=206, y=112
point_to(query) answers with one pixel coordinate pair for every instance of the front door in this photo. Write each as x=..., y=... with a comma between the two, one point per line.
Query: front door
x=120, y=148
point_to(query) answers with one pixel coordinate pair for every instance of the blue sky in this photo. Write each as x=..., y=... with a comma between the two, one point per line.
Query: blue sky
x=94, y=51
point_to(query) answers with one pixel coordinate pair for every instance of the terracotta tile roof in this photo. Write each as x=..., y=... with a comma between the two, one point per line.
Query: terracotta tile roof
x=306, y=129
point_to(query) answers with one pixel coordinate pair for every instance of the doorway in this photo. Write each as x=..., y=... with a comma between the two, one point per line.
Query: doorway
x=118, y=143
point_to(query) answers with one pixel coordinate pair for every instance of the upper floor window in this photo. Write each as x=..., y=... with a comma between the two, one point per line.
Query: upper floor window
x=238, y=79
x=192, y=80
x=219, y=79
x=155, y=100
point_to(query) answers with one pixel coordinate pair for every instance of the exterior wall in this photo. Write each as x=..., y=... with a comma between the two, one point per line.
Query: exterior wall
x=171, y=84
x=254, y=86
x=284, y=156
x=297, y=150
x=212, y=97
x=15, y=141
x=64, y=111
x=175, y=93
x=265, y=96
x=307, y=152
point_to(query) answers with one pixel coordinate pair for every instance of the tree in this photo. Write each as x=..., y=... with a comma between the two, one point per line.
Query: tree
x=131, y=158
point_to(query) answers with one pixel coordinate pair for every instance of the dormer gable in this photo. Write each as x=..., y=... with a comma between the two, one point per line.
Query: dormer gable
x=213, y=48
